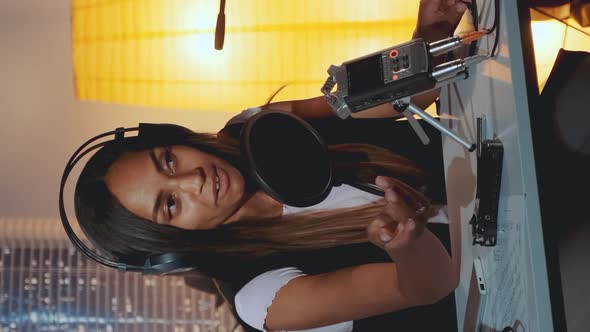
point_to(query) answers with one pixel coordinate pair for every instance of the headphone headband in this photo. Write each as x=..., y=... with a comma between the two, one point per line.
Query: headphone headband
x=168, y=263
x=79, y=154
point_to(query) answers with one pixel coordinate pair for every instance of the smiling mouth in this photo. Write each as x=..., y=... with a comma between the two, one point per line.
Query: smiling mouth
x=216, y=186
x=222, y=183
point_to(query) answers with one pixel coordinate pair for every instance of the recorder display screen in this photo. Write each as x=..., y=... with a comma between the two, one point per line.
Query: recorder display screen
x=365, y=75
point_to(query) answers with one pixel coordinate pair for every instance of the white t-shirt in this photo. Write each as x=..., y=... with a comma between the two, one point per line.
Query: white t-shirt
x=254, y=299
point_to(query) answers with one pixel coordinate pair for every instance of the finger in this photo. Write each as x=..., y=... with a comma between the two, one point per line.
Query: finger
x=386, y=236
x=406, y=194
x=433, y=7
x=384, y=182
x=451, y=3
x=431, y=3
x=410, y=225
x=411, y=196
x=460, y=7
x=397, y=212
x=406, y=232
x=381, y=230
x=453, y=10
x=396, y=191
x=383, y=220
x=391, y=196
x=376, y=224
x=402, y=237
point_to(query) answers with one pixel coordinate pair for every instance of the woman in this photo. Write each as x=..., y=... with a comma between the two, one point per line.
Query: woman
x=134, y=199
x=185, y=192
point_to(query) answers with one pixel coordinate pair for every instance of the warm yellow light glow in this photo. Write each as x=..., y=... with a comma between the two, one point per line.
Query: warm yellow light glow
x=550, y=35
x=548, y=38
x=196, y=50
x=160, y=52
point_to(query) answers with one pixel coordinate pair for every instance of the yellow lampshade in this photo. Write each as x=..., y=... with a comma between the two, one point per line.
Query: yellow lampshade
x=160, y=53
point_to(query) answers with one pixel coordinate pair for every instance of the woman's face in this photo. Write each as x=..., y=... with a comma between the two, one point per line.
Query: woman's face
x=178, y=186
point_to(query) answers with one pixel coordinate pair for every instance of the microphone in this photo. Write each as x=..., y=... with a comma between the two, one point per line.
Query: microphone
x=220, y=27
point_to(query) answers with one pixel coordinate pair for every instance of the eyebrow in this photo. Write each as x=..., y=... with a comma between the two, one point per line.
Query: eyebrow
x=158, y=201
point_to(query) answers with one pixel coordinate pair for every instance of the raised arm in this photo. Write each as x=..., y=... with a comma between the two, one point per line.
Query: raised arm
x=318, y=108
x=437, y=19
x=422, y=274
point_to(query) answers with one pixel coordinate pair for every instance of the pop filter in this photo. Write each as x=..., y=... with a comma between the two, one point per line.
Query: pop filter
x=287, y=158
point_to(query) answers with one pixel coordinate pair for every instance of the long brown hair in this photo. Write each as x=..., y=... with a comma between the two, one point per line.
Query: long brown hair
x=120, y=233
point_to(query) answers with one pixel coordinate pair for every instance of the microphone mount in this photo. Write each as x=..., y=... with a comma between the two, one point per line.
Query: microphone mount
x=395, y=74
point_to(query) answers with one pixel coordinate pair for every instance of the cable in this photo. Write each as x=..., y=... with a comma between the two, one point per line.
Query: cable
x=472, y=6
x=495, y=27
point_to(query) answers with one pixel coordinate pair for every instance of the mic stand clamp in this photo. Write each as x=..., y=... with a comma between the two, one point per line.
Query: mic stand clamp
x=409, y=109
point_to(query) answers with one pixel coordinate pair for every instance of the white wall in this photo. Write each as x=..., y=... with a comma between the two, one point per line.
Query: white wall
x=41, y=123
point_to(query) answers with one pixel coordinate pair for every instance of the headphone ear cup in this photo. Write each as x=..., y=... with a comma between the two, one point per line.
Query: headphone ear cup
x=169, y=264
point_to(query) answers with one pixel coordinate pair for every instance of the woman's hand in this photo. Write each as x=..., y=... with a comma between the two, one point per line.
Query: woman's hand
x=438, y=19
x=402, y=220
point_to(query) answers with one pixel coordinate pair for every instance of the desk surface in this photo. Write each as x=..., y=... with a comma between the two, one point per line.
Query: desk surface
x=515, y=269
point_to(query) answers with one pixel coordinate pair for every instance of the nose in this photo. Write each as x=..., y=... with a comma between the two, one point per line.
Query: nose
x=191, y=181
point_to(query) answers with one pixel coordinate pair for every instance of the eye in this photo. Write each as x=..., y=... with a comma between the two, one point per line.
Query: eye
x=169, y=160
x=171, y=206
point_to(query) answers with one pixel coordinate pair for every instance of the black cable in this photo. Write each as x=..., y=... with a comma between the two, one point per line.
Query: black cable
x=496, y=14
x=367, y=188
x=472, y=7
x=495, y=27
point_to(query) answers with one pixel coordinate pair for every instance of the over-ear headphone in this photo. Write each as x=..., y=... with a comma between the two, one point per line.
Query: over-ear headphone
x=167, y=263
